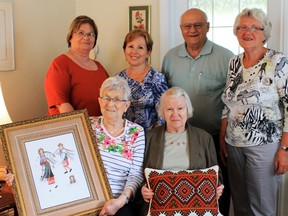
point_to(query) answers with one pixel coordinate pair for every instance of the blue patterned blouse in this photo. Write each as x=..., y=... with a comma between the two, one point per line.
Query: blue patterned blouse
x=145, y=98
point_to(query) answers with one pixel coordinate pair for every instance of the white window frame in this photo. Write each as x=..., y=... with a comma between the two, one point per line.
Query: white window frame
x=170, y=34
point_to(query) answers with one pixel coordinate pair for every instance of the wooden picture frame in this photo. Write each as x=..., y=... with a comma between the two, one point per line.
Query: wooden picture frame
x=56, y=164
x=139, y=17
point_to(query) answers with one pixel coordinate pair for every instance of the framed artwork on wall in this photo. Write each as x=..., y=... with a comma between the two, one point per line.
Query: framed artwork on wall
x=57, y=165
x=139, y=17
x=7, y=60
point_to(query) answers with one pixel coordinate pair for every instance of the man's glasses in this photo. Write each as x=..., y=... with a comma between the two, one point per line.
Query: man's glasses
x=252, y=29
x=116, y=100
x=196, y=26
x=83, y=34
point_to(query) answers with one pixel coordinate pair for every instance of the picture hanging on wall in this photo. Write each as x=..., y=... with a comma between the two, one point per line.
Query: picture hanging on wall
x=139, y=17
x=7, y=61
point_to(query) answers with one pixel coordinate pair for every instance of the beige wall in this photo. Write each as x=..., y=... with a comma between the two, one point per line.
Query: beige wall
x=39, y=33
x=112, y=17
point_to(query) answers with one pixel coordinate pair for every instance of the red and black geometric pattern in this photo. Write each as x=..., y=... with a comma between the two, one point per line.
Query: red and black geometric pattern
x=185, y=192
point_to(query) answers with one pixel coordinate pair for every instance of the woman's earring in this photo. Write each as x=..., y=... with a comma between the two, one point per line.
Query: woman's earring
x=146, y=60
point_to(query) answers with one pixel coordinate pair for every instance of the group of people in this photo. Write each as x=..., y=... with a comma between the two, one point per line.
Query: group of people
x=223, y=109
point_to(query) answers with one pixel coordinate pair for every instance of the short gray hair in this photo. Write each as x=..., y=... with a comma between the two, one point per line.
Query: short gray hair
x=175, y=92
x=257, y=14
x=116, y=83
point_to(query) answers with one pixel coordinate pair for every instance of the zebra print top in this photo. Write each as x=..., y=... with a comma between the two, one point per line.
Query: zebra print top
x=256, y=100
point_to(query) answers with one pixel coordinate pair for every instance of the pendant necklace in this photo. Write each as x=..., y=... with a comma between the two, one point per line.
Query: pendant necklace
x=140, y=81
x=117, y=130
x=114, y=131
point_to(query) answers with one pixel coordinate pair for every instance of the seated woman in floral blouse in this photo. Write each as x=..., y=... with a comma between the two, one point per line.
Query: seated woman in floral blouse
x=121, y=144
x=146, y=83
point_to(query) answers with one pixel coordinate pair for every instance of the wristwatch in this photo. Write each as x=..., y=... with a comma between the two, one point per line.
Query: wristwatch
x=285, y=148
x=126, y=196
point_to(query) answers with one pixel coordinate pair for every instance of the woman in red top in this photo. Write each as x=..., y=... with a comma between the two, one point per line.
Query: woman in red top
x=73, y=79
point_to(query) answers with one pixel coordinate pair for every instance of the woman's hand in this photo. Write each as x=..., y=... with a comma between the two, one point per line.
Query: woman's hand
x=223, y=145
x=65, y=107
x=112, y=206
x=281, y=157
x=223, y=151
x=219, y=191
x=281, y=162
x=147, y=193
x=8, y=178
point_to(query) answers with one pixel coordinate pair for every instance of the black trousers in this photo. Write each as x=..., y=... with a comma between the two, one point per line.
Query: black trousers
x=126, y=210
x=224, y=201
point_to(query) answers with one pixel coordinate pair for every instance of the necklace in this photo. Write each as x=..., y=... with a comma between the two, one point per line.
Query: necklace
x=138, y=76
x=258, y=69
x=116, y=130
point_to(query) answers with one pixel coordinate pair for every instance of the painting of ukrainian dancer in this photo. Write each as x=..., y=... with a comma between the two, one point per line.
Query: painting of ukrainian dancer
x=53, y=164
x=65, y=155
x=45, y=163
x=56, y=164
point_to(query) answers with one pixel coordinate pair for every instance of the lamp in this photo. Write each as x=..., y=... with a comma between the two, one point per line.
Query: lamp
x=4, y=119
x=4, y=115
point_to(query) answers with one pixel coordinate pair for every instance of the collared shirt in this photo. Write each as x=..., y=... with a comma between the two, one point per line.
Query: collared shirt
x=203, y=78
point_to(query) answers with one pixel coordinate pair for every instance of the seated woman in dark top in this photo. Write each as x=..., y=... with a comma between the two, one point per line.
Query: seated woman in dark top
x=193, y=147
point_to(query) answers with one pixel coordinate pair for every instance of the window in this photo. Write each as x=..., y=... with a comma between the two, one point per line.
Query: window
x=221, y=15
x=171, y=10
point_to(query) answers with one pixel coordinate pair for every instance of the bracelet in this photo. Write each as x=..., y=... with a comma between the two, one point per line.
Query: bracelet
x=126, y=196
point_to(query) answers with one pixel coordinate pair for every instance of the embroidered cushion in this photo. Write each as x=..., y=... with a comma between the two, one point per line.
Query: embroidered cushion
x=184, y=192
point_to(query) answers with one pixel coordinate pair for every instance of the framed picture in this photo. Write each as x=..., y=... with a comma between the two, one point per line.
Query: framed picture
x=57, y=165
x=139, y=17
x=7, y=60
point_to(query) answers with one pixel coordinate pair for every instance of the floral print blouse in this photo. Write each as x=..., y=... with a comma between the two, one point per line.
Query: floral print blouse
x=256, y=100
x=145, y=98
x=122, y=156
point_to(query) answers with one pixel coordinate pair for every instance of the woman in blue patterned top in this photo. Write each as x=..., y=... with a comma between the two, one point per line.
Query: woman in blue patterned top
x=121, y=144
x=146, y=83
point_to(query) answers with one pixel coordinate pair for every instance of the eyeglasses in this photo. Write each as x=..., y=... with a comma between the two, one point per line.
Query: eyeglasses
x=83, y=34
x=196, y=26
x=252, y=29
x=116, y=100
